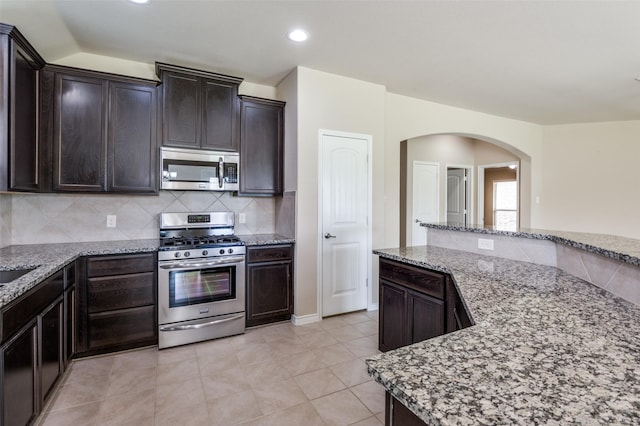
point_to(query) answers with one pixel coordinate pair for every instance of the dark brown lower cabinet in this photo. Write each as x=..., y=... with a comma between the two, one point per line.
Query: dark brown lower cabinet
x=117, y=307
x=416, y=304
x=269, y=284
x=50, y=329
x=396, y=414
x=32, y=350
x=19, y=367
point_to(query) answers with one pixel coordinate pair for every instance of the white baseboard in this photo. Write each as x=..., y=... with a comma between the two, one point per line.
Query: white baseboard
x=373, y=307
x=305, y=319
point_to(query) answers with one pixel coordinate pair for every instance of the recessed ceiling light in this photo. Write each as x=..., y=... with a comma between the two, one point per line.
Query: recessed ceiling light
x=139, y=1
x=298, y=35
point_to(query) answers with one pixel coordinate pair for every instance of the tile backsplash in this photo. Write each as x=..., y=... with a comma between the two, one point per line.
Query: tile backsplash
x=57, y=218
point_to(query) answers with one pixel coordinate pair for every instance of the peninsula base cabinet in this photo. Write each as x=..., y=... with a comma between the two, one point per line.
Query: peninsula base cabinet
x=117, y=306
x=269, y=284
x=396, y=414
x=32, y=349
x=416, y=304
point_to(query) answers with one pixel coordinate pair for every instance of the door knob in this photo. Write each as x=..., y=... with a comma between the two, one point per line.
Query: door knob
x=328, y=235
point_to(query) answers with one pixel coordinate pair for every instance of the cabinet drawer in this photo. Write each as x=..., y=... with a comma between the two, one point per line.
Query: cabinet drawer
x=122, y=327
x=269, y=253
x=119, y=292
x=119, y=265
x=22, y=310
x=417, y=279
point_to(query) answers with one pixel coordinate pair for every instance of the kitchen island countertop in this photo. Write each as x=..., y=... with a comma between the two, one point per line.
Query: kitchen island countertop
x=546, y=348
x=612, y=246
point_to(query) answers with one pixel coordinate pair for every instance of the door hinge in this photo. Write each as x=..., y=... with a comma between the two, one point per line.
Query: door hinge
x=366, y=282
x=465, y=179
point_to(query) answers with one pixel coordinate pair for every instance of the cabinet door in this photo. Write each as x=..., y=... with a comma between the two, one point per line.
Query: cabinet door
x=261, y=146
x=69, y=324
x=269, y=292
x=50, y=348
x=392, y=331
x=132, y=141
x=220, y=109
x=19, y=378
x=181, y=110
x=24, y=140
x=426, y=317
x=79, y=162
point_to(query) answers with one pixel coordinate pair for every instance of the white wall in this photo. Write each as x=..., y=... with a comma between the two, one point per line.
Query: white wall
x=590, y=180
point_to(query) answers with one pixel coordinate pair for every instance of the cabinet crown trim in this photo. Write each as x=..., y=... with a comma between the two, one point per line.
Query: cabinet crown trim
x=161, y=68
x=264, y=101
x=21, y=41
x=119, y=78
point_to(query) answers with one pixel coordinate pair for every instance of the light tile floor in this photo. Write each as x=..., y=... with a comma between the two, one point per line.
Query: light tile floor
x=274, y=375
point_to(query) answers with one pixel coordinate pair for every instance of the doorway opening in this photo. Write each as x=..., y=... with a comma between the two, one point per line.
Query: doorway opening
x=499, y=195
x=459, y=194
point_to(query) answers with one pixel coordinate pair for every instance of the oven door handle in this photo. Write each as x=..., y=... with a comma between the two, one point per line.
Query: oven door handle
x=200, y=325
x=199, y=264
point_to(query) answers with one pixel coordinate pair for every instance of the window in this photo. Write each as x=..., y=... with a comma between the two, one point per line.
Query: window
x=505, y=205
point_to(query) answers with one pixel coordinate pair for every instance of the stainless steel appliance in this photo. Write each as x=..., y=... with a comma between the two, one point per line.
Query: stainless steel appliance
x=201, y=278
x=190, y=169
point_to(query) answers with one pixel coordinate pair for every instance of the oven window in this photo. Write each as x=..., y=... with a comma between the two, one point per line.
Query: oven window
x=201, y=286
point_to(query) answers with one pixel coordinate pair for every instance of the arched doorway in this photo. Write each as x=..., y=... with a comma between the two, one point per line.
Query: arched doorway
x=474, y=154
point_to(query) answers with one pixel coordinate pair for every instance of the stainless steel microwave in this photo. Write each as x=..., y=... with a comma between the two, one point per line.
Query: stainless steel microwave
x=190, y=169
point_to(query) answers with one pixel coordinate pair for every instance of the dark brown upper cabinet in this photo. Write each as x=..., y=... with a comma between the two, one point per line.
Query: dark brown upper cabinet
x=261, y=146
x=103, y=131
x=19, y=144
x=199, y=108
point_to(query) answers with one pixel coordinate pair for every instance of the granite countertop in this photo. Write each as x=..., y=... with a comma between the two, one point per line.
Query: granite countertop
x=265, y=239
x=47, y=259
x=615, y=247
x=546, y=348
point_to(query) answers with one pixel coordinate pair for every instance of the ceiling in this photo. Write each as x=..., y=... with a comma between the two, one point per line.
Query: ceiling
x=547, y=62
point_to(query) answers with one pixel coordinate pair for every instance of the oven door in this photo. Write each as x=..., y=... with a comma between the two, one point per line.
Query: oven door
x=200, y=288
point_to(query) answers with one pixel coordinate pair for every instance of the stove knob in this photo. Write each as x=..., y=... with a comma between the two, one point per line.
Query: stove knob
x=205, y=252
x=187, y=254
x=177, y=254
x=230, y=251
x=221, y=251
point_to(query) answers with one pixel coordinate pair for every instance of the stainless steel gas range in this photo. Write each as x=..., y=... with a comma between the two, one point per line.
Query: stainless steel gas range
x=201, y=278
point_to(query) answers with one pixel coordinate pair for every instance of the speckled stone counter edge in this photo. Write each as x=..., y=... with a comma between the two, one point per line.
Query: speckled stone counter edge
x=556, y=237
x=47, y=259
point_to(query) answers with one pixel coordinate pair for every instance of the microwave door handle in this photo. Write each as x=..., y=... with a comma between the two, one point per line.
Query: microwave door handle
x=220, y=172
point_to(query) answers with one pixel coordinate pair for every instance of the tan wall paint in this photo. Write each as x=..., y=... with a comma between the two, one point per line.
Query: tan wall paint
x=448, y=150
x=143, y=70
x=590, y=180
x=332, y=102
x=490, y=176
x=409, y=118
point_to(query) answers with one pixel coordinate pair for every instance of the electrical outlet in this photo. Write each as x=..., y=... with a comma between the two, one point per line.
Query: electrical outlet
x=485, y=244
x=111, y=220
x=242, y=218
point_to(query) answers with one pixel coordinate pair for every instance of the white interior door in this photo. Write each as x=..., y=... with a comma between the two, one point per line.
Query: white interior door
x=425, y=199
x=457, y=196
x=345, y=235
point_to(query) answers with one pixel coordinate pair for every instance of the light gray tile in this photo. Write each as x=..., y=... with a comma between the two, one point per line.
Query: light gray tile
x=626, y=283
x=569, y=260
x=599, y=268
x=341, y=408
